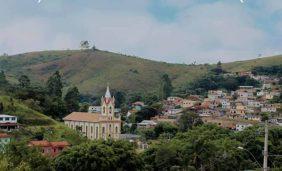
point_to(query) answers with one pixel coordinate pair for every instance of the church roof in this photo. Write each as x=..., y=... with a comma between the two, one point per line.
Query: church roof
x=84, y=117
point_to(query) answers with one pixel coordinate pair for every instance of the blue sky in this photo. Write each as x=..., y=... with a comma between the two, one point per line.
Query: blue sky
x=180, y=31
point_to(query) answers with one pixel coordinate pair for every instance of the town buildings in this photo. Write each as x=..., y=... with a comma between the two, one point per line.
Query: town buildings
x=105, y=124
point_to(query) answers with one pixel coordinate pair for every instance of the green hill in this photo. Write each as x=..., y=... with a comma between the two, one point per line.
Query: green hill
x=91, y=71
x=33, y=123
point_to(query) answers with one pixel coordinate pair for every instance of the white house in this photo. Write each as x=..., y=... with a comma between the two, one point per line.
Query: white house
x=242, y=126
x=8, y=122
x=94, y=109
x=146, y=124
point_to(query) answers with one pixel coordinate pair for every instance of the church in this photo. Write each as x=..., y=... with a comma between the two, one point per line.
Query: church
x=105, y=124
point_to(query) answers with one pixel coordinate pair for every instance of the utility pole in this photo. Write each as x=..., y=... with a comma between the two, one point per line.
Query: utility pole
x=265, y=151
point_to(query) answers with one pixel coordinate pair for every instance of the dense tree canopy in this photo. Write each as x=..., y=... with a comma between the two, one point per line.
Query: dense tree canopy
x=72, y=99
x=166, y=87
x=55, y=85
x=101, y=155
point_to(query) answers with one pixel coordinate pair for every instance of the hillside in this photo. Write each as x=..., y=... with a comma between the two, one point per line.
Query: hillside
x=91, y=71
x=33, y=123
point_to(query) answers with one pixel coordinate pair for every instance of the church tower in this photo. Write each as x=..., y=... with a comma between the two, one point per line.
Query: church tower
x=108, y=104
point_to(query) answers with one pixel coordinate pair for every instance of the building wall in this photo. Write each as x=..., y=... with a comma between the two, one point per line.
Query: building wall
x=99, y=130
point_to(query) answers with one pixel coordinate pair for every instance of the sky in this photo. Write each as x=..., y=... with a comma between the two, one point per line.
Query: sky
x=177, y=31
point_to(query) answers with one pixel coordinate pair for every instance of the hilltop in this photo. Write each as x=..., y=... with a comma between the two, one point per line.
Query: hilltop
x=91, y=71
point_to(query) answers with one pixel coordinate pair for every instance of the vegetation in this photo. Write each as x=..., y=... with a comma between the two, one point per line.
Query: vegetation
x=90, y=71
x=100, y=155
x=275, y=70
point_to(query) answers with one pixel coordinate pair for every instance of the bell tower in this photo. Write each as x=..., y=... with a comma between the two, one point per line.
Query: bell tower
x=108, y=104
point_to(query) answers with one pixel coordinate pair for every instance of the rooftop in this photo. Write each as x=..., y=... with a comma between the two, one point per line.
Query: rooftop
x=84, y=117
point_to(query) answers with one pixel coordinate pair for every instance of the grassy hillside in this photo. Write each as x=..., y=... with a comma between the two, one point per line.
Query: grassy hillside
x=91, y=71
x=33, y=123
x=249, y=64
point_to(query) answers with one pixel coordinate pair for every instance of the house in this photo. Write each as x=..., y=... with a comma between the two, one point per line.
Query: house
x=271, y=95
x=47, y=148
x=266, y=86
x=225, y=103
x=253, y=117
x=146, y=124
x=242, y=126
x=175, y=100
x=138, y=105
x=214, y=94
x=172, y=111
x=269, y=108
x=254, y=103
x=94, y=109
x=8, y=123
x=102, y=125
x=164, y=118
x=220, y=121
x=4, y=140
x=130, y=137
x=191, y=101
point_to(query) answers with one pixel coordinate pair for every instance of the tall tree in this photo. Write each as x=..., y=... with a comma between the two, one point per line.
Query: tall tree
x=84, y=45
x=188, y=120
x=24, y=81
x=55, y=85
x=166, y=86
x=3, y=80
x=72, y=99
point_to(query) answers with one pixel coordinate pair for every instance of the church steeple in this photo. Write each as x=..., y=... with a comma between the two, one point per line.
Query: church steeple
x=108, y=103
x=108, y=93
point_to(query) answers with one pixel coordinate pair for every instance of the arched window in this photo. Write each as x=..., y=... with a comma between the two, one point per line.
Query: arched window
x=116, y=129
x=97, y=133
x=110, y=109
x=110, y=127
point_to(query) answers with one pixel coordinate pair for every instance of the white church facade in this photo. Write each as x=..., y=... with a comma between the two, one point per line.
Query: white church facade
x=105, y=124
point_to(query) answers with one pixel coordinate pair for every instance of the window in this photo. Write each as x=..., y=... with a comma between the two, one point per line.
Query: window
x=91, y=129
x=116, y=129
x=97, y=132
x=1, y=119
x=13, y=118
x=103, y=130
x=104, y=109
x=110, y=127
x=6, y=119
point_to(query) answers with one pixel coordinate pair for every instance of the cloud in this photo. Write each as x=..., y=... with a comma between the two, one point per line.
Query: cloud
x=201, y=31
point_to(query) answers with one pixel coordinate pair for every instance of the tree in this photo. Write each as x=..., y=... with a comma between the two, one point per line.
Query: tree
x=165, y=128
x=18, y=153
x=3, y=80
x=218, y=70
x=99, y=155
x=24, y=81
x=84, y=45
x=55, y=107
x=166, y=86
x=145, y=114
x=55, y=85
x=119, y=98
x=72, y=99
x=188, y=120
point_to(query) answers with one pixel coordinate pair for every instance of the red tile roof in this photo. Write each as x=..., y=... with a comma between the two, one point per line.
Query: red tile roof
x=44, y=143
x=4, y=135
